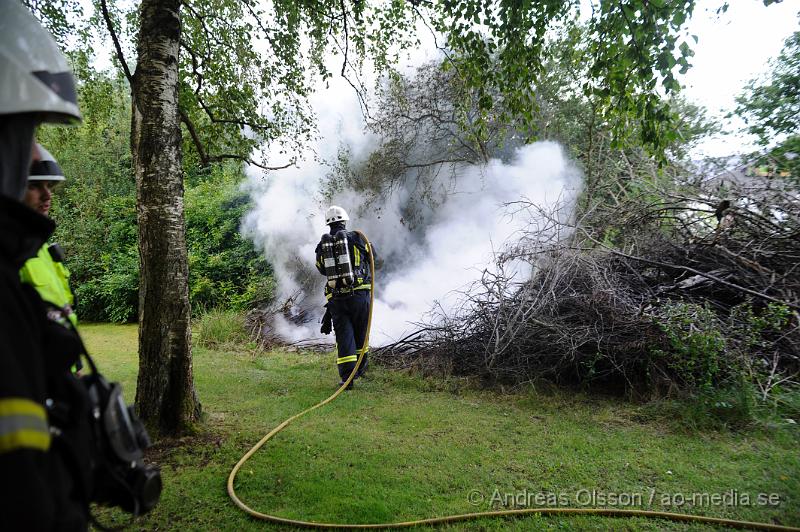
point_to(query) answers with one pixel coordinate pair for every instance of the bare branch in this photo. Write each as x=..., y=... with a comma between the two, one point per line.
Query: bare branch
x=362, y=101
x=248, y=160
x=195, y=65
x=201, y=152
x=206, y=159
x=240, y=123
x=117, y=47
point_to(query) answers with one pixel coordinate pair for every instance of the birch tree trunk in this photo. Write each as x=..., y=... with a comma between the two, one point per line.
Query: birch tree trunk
x=165, y=396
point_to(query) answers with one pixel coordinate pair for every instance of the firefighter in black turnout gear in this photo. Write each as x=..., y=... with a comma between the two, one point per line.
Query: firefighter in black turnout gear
x=44, y=422
x=52, y=458
x=344, y=258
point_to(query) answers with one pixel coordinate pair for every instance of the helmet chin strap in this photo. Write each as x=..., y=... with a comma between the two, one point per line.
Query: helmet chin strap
x=16, y=141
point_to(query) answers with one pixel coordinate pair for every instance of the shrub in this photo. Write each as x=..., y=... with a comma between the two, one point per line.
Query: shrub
x=732, y=407
x=696, y=351
x=217, y=328
x=757, y=336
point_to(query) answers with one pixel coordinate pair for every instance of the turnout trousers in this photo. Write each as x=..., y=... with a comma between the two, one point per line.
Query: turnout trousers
x=350, y=315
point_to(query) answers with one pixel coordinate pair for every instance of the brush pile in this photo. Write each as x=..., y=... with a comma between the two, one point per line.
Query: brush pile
x=268, y=326
x=658, y=293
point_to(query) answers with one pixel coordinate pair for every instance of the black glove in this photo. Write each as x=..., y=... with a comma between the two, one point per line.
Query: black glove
x=327, y=323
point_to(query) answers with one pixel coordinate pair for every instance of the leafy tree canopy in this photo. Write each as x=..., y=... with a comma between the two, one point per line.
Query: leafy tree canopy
x=247, y=67
x=772, y=108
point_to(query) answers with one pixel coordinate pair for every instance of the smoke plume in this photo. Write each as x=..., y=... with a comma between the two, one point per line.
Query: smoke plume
x=424, y=263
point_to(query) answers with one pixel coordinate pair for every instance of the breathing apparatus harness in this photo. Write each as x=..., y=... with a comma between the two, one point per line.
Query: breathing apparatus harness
x=122, y=479
x=336, y=259
x=111, y=463
x=345, y=272
x=610, y=512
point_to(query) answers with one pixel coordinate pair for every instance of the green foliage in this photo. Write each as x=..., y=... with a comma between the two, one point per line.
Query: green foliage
x=95, y=212
x=784, y=158
x=108, y=287
x=726, y=359
x=772, y=108
x=731, y=407
x=95, y=209
x=631, y=48
x=57, y=16
x=754, y=335
x=612, y=170
x=736, y=406
x=753, y=328
x=217, y=329
x=247, y=68
x=720, y=364
x=113, y=282
x=696, y=344
x=224, y=268
x=783, y=406
x=635, y=47
x=430, y=122
x=706, y=349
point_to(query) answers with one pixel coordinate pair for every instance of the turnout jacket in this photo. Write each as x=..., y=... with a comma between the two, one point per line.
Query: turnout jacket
x=41, y=487
x=360, y=253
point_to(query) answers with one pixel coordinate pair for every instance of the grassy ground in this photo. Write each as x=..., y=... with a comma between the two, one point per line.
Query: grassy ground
x=401, y=448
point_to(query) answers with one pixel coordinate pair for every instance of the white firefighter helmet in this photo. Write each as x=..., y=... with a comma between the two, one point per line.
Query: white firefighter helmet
x=34, y=74
x=335, y=214
x=46, y=168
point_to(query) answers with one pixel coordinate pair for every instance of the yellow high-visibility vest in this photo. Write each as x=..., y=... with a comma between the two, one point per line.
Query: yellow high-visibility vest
x=51, y=281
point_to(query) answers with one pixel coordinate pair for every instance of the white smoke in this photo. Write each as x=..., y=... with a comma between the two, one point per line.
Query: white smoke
x=423, y=267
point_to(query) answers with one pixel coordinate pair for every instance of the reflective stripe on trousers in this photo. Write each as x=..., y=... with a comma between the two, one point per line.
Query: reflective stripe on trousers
x=350, y=319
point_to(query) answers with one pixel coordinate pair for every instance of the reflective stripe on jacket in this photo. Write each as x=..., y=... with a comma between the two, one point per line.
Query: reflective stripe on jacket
x=23, y=425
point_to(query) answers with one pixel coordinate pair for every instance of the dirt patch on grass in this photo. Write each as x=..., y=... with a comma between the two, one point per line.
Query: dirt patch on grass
x=172, y=452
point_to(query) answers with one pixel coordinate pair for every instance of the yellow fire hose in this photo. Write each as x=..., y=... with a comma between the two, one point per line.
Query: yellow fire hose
x=610, y=512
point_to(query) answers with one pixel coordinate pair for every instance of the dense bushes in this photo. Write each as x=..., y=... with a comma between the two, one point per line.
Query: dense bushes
x=708, y=349
x=95, y=210
x=224, y=268
x=225, y=271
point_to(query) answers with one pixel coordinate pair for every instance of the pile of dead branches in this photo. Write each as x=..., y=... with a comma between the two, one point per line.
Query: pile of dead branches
x=663, y=291
x=293, y=312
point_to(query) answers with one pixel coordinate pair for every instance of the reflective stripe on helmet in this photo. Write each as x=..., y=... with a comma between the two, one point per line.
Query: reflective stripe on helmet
x=45, y=169
x=61, y=83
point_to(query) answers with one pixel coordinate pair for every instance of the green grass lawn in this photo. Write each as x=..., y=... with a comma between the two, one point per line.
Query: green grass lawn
x=400, y=447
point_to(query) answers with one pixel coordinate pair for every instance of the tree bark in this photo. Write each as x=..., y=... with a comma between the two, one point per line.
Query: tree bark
x=165, y=396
